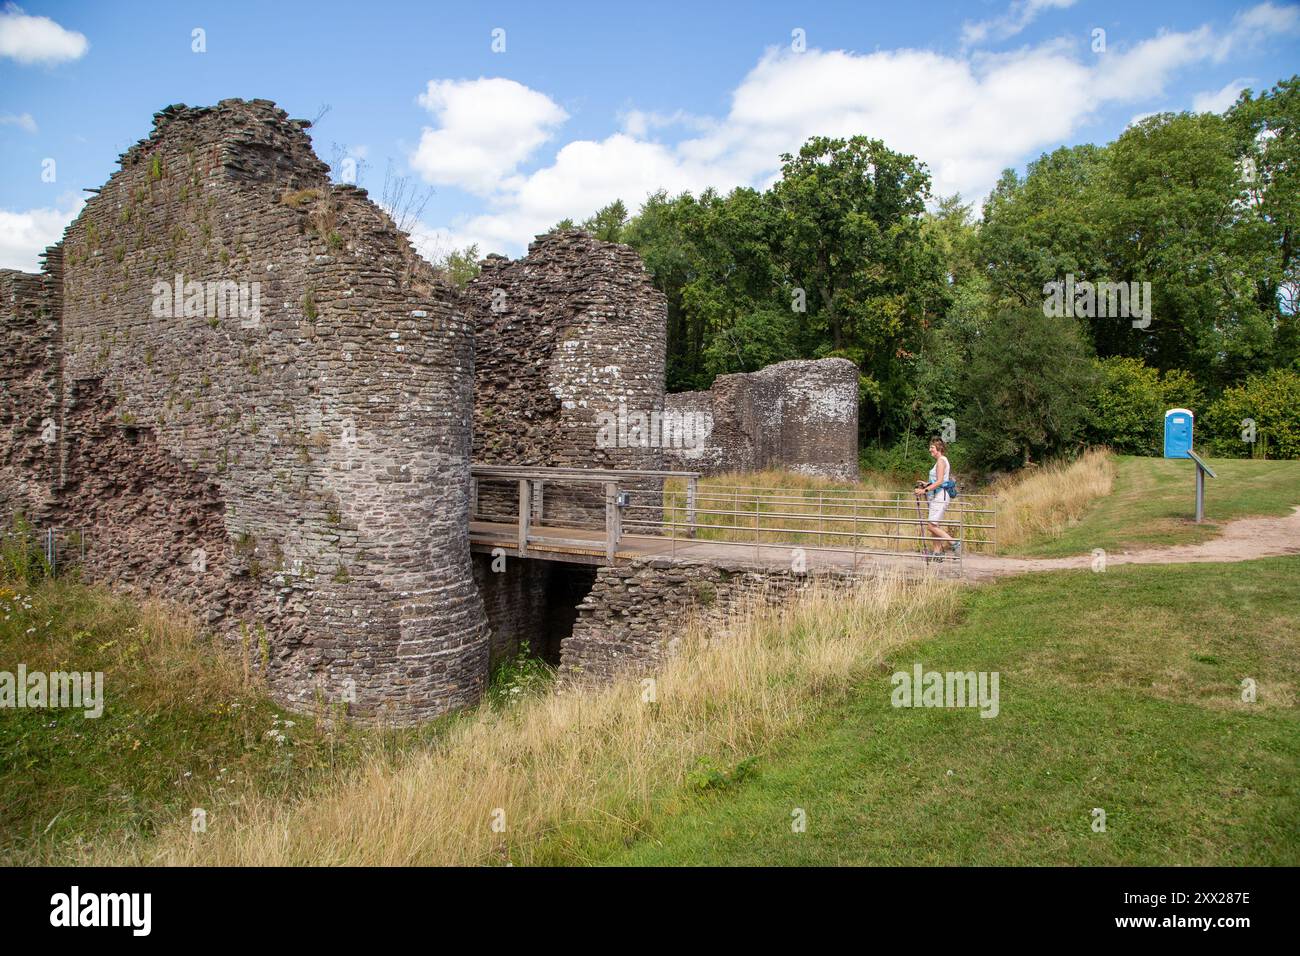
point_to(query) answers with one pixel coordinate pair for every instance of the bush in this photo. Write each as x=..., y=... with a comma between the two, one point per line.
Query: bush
x=908, y=459
x=1269, y=400
x=1021, y=390
x=904, y=461
x=1127, y=406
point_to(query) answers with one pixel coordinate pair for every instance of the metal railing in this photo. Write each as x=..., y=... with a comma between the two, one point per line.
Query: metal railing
x=681, y=509
x=834, y=520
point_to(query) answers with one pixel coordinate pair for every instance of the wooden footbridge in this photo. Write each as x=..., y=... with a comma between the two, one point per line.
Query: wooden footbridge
x=605, y=517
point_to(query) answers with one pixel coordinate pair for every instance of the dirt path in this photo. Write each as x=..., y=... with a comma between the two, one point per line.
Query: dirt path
x=1241, y=540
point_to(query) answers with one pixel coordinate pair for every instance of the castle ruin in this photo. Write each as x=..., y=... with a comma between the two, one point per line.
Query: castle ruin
x=235, y=385
x=798, y=415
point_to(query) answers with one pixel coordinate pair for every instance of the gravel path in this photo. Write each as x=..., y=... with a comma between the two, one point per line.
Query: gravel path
x=1242, y=540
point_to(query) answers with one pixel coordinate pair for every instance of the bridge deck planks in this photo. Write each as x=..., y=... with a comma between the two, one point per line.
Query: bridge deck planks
x=587, y=546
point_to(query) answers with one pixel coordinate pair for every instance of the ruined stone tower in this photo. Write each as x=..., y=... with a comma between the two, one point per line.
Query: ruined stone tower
x=571, y=330
x=566, y=337
x=243, y=389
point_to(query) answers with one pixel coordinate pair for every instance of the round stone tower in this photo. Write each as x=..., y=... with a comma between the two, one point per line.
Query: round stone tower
x=265, y=412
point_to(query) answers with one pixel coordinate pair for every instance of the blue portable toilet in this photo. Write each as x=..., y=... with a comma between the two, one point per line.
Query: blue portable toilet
x=1178, y=433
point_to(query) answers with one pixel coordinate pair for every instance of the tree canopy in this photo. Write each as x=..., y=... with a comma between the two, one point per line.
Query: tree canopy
x=848, y=253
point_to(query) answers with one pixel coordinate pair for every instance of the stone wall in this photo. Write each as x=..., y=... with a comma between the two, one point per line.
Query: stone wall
x=530, y=603
x=571, y=331
x=799, y=415
x=29, y=392
x=241, y=388
x=293, y=463
x=634, y=616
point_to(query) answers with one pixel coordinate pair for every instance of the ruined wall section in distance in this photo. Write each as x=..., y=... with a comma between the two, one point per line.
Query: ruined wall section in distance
x=266, y=412
x=798, y=415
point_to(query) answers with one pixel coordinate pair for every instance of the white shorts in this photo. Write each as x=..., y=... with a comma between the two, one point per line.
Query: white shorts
x=938, y=505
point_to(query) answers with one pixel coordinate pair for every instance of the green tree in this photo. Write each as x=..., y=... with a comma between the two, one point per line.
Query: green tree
x=657, y=234
x=1021, y=390
x=1268, y=402
x=1127, y=405
x=951, y=227
x=846, y=228
x=1041, y=227
x=711, y=258
x=1170, y=206
x=459, y=266
x=1269, y=125
x=608, y=222
x=757, y=338
x=1166, y=204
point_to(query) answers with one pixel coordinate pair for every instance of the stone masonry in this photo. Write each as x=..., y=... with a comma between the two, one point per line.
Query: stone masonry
x=634, y=615
x=247, y=393
x=797, y=415
x=29, y=389
x=241, y=389
x=570, y=331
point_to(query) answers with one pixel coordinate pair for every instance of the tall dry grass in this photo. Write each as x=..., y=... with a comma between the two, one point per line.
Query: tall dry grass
x=874, y=514
x=867, y=485
x=572, y=772
x=142, y=644
x=1045, y=501
x=786, y=507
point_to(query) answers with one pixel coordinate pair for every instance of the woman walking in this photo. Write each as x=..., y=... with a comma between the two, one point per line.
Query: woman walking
x=936, y=490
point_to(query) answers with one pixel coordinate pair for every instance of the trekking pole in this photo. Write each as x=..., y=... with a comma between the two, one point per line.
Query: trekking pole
x=920, y=526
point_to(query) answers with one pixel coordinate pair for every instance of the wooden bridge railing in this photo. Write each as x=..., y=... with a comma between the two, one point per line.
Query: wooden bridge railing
x=532, y=480
x=664, y=511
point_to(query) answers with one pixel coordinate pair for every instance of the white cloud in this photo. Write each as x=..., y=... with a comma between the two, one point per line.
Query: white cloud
x=1019, y=15
x=487, y=127
x=640, y=123
x=25, y=235
x=967, y=117
x=29, y=39
x=1266, y=20
x=1218, y=101
x=23, y=121
x=1142, y=71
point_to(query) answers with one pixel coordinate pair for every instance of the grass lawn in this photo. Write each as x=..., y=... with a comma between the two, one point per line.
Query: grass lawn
x=1118, y=690
x=1154, y=502
x=182, y=727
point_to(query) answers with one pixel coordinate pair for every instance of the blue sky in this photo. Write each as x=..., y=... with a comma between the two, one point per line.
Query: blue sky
x=591, y=102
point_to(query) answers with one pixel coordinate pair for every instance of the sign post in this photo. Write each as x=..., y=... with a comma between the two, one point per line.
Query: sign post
x=1202, y=469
